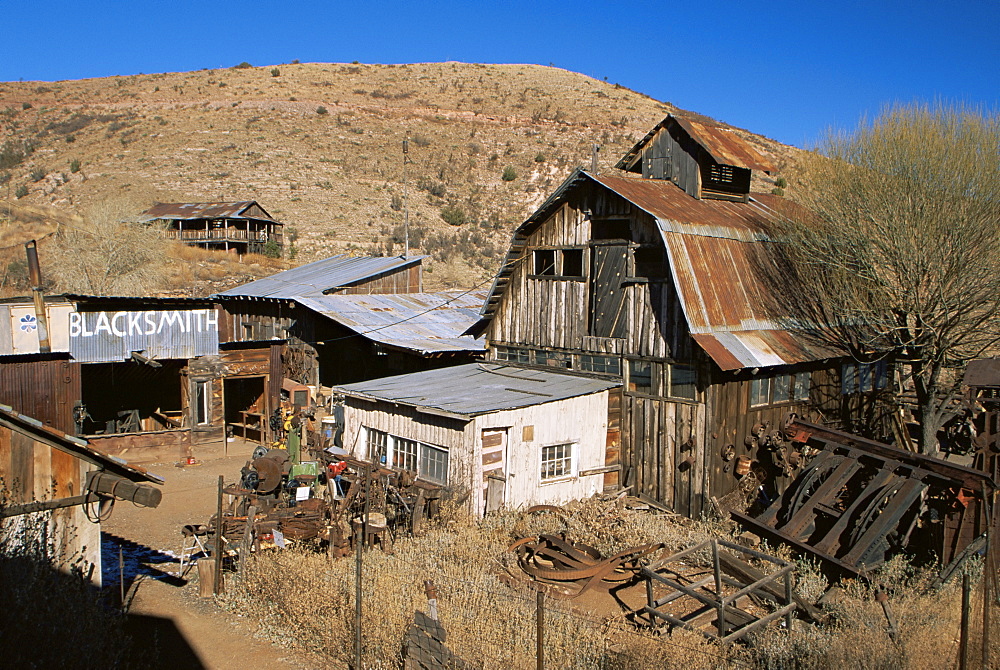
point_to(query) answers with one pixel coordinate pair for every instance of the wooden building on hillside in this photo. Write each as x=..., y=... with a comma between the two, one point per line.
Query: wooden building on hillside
x=242, y=227
x=52, y=490
x=656, y=282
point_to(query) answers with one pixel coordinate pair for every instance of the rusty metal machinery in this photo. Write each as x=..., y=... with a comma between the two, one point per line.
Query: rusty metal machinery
x=856, y=502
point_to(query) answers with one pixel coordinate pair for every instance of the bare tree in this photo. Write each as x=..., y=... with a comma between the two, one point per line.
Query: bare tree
x=898, y=254
x=110, y=253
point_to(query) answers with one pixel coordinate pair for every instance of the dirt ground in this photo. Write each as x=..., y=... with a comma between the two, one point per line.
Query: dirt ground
x=173, y=627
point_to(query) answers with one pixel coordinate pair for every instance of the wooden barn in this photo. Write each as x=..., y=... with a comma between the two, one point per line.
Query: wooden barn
x=241, y=227
x=54, y=488
x=654, y=281
x=496, y=435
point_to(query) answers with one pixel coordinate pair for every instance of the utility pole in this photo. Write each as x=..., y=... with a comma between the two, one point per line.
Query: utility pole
x=406, y=201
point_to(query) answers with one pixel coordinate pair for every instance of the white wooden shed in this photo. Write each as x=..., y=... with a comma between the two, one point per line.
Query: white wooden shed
x=511, y=437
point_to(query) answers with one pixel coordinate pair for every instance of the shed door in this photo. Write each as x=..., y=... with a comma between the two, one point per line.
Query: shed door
x=494, y=468
x=609, y=266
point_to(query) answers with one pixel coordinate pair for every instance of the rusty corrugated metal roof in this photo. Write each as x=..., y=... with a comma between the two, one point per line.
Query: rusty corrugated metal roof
x=202, y=210
x=735, y=350
x=428, y=323
x=722, y=143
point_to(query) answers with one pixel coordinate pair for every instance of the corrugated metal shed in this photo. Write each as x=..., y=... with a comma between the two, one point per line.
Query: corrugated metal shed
x=476, y=388
x=316, y=278
x=203, y=210
x=81, y=447
x=427, y=323
x=721, y=143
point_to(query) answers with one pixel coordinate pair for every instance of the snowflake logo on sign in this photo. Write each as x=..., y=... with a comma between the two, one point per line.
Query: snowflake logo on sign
x=29, y=323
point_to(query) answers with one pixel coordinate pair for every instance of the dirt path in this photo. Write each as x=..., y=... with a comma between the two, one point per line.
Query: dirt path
x=171, y=625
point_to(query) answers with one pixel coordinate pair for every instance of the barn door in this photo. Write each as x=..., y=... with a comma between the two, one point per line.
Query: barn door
x=494, y=468
x=609, y=266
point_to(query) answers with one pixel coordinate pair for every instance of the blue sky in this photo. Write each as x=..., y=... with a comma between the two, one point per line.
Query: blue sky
x=787, y=70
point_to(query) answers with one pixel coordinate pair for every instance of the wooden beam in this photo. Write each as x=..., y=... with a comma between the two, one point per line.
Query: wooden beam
x=30, y=508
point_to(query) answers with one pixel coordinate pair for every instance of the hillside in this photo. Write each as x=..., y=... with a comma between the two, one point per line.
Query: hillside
x=320, y=147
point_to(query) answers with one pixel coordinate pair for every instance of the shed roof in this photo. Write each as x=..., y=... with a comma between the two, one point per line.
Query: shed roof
x=721, y=143
x=77, y=446
x=467, y=391
x=717, y=250
x=983, y=372
x=319, y=277
x=428, y=323
x=203, y=210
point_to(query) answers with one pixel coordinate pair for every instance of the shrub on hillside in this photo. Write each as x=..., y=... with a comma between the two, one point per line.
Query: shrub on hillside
x=21, y=191
x=509, y=173
x=453, y=215
x=275, y=72
x=271, y=249
x=321, y=110
x=74, y=165
x=37, y=174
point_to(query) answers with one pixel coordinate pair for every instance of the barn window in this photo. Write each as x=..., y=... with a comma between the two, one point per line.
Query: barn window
x=649, y=263
x=545, y=262
x=801, y=388
x=722, y=174
x=683, y=381
x=512, y=355
x=640, y=376
x=572, y=263
x=557, y=462
x=760, y=391
x=781, y=388
x=553, y=359
x=863, y=377
x=609, y=365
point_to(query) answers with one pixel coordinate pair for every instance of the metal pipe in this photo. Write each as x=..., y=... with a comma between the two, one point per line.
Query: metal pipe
x=218, y=543
x=35, y=277
x=540, y=630
x=963, y=645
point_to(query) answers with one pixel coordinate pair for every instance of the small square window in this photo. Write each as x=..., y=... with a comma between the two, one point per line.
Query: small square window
x=640, y=377
x=572, y=263
x=683, y=381
x=649, y=263
x=404, y=454
x=557, y=461
x=545, y=262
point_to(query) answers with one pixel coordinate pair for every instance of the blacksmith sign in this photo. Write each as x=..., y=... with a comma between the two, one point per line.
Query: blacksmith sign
x=105, y=337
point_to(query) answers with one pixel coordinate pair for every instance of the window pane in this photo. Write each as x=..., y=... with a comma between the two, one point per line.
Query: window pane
x=848, y=378
x=802, y=383
x=781, y=388
x=865, y=377
x=377, y=445
x=572, y=262
x=880, y=375
x=683, y=381
x=760, y=391
x=611, y=365
x=553, y=359
x=433, y=463
x=545, y=262
x=649, y=263
x=557, y=461
x=404, y=454
x=640, y=377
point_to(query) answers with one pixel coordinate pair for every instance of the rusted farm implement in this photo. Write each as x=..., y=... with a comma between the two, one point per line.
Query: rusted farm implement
x=856, y=502
x=569, y=568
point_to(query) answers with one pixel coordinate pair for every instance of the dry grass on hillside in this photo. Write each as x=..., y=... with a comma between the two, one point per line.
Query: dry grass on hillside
x=302, y=599
x=320, y=147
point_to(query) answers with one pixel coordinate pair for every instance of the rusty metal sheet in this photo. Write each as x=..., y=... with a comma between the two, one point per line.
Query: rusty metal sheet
x=722, y=143
x=202, y=210
x=735, y=350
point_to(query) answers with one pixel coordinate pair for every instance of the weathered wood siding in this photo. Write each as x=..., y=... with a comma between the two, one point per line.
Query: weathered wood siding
x=32, y=470
x=581, y=421
x=44, y=389
x=732, y=420
x=665, y=158
x=553, y=313
x=402, y=280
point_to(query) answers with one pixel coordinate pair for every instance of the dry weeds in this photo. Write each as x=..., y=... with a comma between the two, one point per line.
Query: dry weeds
x=301, y=599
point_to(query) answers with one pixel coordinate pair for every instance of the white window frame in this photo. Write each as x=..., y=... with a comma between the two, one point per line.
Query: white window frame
x=203, y=397
x=569, y=459
x=400, y=446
